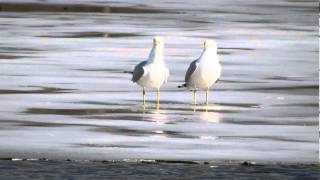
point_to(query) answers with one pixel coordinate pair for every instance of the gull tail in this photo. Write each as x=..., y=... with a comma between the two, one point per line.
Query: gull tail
x=183, y=85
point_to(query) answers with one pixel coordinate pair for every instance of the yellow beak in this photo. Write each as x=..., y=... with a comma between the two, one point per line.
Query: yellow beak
x=205, y=45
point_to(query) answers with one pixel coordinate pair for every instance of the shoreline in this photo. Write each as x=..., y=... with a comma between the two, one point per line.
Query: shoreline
x=163, y=161
x=49, y=169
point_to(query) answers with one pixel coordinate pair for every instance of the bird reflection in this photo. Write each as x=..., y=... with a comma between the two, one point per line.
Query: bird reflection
x=156, y=115
x=206, y=113
x=212, y=117
x=159, y=117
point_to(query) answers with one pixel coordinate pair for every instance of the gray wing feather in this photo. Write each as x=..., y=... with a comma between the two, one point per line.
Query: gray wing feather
x=138, y=71
x=190, y=71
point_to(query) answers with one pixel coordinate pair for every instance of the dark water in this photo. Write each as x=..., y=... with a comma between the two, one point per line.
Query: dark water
x=64, y=93
x=151, y=170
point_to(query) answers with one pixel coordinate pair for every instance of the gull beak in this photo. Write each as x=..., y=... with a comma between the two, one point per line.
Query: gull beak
x=157, y=42
x=205, y=45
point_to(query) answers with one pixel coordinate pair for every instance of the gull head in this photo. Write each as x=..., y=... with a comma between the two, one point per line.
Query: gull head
x=158, y=41
x=210, y=44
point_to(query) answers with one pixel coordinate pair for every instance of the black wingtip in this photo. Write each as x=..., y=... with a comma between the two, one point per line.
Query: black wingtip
x=129, y=72
x=183, y=85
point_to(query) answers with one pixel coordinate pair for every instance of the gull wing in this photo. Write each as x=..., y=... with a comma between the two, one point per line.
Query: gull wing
x=193, y=66
x=138, y=71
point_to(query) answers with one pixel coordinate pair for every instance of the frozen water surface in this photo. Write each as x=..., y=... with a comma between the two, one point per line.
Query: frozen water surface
x=64, y=93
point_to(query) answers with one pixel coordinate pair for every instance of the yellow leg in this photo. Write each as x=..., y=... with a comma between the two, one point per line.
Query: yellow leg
x=207, y=96
x=195, y=97
x=144, y=98
x=158, y=98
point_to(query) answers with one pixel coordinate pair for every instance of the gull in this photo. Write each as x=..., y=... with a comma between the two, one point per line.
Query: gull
x=204, y=71
x=153, y=72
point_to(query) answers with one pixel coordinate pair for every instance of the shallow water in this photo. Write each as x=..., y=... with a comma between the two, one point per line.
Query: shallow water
x=65, y=93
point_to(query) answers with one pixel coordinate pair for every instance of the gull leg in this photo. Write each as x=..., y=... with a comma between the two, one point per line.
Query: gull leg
x=195, y=96
x=207, y=96
x=144, y=97
x=158, y=98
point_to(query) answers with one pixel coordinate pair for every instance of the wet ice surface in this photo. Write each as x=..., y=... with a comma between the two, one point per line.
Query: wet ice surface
x=64, y=93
